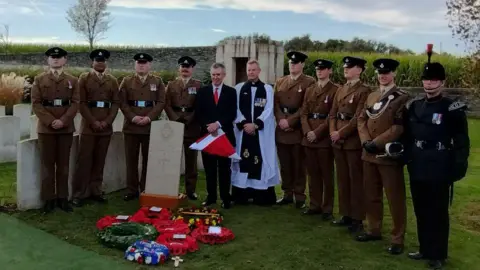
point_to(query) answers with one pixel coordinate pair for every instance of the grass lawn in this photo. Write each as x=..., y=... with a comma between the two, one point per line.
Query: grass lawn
x=277, y=237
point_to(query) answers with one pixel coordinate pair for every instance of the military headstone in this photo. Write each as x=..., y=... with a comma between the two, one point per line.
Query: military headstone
x=9, y=136
x=23, y=111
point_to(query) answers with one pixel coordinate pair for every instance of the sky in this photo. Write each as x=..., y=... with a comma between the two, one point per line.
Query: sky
x=407, y=24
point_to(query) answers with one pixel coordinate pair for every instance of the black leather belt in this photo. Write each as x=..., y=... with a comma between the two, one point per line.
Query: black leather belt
x=344, y=116
x=141, y=103
x=287, y=110
x=182, y=109
x=58, y=102
x=99, y=104
x=428, y=145
x=317, y=116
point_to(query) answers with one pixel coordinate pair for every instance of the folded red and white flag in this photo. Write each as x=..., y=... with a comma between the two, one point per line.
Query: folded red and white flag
x=216, y=145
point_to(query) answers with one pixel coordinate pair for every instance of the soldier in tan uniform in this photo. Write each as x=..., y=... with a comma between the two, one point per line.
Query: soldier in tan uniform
x=347, y=150
x=380, y=123
x=289, y=94
x=180, y=103
x=99, y=104
x=142, y=98
x=55, y=99
x=316, y=141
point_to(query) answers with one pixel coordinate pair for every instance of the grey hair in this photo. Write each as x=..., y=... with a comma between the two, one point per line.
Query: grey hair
x=218, y=65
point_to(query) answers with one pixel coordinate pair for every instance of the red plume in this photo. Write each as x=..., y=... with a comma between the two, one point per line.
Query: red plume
x=429, y=48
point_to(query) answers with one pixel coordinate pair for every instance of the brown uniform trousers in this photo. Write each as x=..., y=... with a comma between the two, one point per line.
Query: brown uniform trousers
x=98, y=102
x=383, y=124
x=139, y=98
x=289, y=94
x=347, y=105
x=55, y=98
x=180, y=102
x=319, y=156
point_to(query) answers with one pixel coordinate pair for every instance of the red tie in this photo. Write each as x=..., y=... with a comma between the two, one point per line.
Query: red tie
x=215, y=95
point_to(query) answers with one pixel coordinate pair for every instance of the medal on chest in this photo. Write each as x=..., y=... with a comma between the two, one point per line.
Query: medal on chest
x=192, y=91
x=437, y=118
x=153, y=87
x=326, y=100
x=260, y=102
x=70, y=84
x=300, y=89
x=351, y=99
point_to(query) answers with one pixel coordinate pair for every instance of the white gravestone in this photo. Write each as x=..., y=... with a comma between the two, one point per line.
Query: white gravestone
x=114, y=172
x=9, y=136
x=28, y=175
x=72, y=163
x=2, y=110
x=164, y=158
x=33, y=127
x=24, y=111
x=117, y=124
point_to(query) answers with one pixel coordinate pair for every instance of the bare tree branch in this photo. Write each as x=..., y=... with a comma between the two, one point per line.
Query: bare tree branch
x=90, y=19
x=464, y=21
x=5, y=38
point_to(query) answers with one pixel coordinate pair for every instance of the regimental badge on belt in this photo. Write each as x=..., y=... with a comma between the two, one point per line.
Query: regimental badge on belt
x=192, y=91
x=153, y=87
x=437, y=118
x=260, y=102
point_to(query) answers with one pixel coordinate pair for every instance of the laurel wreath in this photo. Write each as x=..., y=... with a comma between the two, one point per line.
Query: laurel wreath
x=123, y=235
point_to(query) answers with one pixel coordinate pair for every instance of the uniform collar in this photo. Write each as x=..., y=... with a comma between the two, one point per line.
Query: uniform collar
x=323, y=83
x=384, y=89
x=352, y=82
x=99, y=73
x=59, y=71
x=185, y=80
x=295, y=77
x=142, y=78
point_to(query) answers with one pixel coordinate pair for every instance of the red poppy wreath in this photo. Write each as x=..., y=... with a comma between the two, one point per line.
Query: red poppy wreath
x=178, y=244
x=213, y=235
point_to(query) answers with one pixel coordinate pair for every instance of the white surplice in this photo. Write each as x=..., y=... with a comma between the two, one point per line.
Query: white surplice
x=270, y=175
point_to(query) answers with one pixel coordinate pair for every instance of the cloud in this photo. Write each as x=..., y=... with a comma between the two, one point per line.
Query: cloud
x=44, y=40
x=411, y=15
x=218, y=30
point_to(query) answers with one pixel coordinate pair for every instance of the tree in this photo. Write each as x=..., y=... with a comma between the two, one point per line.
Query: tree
x=5, y=38
x=90, y=19
x=464, y=21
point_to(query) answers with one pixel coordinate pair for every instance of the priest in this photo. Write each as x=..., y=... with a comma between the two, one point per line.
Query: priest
x=254, y=176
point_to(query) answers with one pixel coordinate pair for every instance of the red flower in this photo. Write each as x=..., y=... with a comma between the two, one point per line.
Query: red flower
x=140, y=260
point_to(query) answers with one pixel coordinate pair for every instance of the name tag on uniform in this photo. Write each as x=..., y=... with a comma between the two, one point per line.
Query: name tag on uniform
x=57, y=102
x=141, y=103
x=153, y=87
x=100, y=104
x=260, y=102
x=192, y=91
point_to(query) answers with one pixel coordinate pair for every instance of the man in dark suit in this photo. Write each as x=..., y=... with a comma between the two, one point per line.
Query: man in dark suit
x=216, y=107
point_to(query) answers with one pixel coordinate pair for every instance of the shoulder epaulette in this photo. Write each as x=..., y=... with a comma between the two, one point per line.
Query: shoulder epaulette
x=457, y=105
x=401, y=91
x=409, y=102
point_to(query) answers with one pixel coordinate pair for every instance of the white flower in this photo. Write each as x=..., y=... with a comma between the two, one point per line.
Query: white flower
x=148, y=260
x=130, y=257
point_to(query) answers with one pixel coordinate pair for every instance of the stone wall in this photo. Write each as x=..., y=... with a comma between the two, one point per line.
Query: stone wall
x=164, y=58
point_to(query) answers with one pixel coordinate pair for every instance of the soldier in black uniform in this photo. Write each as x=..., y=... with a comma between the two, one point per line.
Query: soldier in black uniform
x=437, y=147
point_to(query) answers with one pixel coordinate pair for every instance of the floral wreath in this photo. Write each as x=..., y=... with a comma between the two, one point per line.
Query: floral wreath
x=124, y=234
x=213, y=235
x=150, y=215
x=147, y=252
x=178, y=244
x=172, y=226
x=199, y=217
x=108, y=221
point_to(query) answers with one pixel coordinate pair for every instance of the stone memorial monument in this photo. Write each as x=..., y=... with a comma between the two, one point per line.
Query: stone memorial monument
x=164, y=160
x=23, y=111
x=235, y=53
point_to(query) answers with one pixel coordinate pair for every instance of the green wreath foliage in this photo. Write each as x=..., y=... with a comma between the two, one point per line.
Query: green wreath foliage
x=122, y=235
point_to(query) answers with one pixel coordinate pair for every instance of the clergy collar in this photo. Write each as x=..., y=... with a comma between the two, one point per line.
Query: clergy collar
x=322, y=83
x=254, y=82
x=384, y=89
x=295, y=77
x=59, y=71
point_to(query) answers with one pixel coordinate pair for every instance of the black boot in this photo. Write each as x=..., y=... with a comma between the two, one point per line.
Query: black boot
x=49, y=206
x=344, y=221
x=64, y=205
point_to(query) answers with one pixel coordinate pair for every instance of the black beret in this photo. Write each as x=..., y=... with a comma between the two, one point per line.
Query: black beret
x=187, y=61
x=56, y=51
x=296, y=57
x=99, y=54
x=350, y=61
x=433, y=71
x=323, y=63
x=143, y=57
x=385, y=65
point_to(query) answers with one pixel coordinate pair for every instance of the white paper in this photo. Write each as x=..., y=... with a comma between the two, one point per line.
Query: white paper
x=120, y=217
x=155, y=209
x=214, y=230
x=179, y=236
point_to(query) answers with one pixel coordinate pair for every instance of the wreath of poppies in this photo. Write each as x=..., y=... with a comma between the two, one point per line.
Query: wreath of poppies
x=172, y=226
x=108, y=221
x=122, y=235
x=147, y=252
x=178, y=244
x=199, y=217
x=213, y=235
x=151, y=215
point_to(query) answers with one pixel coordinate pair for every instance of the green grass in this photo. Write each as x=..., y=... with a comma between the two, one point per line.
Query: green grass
x=279, y=237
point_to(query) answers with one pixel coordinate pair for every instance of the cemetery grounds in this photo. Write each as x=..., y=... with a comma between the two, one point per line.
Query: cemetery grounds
x=266, y=238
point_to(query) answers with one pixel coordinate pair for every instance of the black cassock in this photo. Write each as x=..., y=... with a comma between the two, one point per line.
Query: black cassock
x=250, y=150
